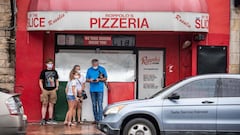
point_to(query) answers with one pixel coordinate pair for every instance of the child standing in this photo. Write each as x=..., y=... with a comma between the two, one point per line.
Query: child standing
x=72, y=98
x=80, y=86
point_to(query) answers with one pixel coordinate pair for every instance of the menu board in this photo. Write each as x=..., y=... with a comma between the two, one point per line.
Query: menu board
x=150, y=73
x=98, y=40
x=95, y=40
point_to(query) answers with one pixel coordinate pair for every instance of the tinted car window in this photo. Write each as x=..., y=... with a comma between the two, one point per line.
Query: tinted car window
x=198, y=89
x=230, y=88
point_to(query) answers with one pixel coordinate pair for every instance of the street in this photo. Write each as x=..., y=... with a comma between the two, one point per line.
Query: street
x=60, y=129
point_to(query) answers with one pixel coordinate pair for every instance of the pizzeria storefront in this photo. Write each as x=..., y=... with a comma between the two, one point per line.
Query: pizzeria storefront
x=143, y=46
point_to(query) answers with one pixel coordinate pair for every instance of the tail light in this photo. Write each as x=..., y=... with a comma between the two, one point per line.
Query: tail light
x=12, y=106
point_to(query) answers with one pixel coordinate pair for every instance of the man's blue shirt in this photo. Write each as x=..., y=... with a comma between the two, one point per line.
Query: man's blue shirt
x=94, y=74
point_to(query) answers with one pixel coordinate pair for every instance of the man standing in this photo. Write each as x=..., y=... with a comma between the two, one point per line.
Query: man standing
x=97, y=76
x=48, y=83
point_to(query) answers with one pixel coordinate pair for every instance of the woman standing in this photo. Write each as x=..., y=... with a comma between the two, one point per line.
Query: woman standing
x=71, y=93
x=80, y=85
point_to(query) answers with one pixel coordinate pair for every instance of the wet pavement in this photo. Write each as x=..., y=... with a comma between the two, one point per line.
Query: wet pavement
x=60, y=129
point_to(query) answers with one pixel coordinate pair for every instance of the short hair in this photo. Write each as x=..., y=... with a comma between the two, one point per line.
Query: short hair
x=94, y=60
x=49, y=60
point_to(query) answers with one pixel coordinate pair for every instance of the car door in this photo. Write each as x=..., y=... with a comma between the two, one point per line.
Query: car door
x=228, y=110
x=195, y=110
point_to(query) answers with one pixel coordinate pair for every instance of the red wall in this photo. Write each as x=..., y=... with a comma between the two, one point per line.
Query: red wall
x=29, y=59
x=32, y=48
x=219, y=28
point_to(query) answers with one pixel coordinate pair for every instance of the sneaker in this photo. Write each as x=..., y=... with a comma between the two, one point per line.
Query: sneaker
x=51, y=122
x=43, y=122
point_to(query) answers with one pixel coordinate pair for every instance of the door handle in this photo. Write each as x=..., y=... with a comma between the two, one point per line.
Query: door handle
x=207, y=102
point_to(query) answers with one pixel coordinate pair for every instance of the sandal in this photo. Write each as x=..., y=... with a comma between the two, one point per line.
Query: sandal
x=65, y=122
x=70, y=124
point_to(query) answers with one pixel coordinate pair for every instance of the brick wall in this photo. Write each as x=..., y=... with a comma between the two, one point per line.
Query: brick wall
x=7, y=47
x=234, y=66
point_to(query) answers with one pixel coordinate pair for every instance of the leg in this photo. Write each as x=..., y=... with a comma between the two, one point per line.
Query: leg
x=68, y=112
x=66, y=119
x=75, y=111
x=71, y=108
x=100, y=105
x=50, y=110
x=52, y=101
x=44, y=100
x=79, y=111
x=44, y=110
x=94, y=105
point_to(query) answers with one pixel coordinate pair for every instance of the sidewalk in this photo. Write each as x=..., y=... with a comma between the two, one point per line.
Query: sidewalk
x=60, y=129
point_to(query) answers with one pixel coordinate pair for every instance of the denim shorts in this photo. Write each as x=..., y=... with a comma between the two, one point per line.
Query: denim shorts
x=71, y=97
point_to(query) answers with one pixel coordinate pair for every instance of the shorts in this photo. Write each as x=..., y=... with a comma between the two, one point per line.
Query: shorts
x=48, y=96
x=71, y=97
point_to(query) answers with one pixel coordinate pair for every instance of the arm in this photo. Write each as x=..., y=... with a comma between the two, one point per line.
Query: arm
x=83, y=86
x=74, y=92
x=41, y=78
x=41, y=84
x=88, y=77
x=89, y=80
x=66, y=89
x=57, y=84
x=57, y=81
x=104, y=79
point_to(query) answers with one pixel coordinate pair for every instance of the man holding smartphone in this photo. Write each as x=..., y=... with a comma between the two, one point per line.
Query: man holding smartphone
x=97, y=76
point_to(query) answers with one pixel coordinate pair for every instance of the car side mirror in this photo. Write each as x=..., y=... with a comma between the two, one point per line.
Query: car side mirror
x=174, y=96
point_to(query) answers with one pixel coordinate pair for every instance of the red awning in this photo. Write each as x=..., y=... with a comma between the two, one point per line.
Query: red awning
x=118, y=15
x=199, y=6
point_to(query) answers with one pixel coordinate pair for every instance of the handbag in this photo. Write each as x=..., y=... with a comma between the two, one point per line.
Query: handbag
x=84, y=94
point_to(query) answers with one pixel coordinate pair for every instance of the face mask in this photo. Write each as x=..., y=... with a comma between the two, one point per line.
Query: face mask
x=79, y=71
x=95, y=67
x=76, y=76
x=49, y=66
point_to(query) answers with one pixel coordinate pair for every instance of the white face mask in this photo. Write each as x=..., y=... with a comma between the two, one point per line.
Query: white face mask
x=49, y=66
x=79, y=71
x=95, y=67
x=76, y=76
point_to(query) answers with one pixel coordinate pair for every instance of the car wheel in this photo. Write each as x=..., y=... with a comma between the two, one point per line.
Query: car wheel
x=139, y=126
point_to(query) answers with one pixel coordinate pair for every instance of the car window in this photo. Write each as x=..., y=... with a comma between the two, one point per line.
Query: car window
x=198, y=89
x=230, y=87
x=162, y=90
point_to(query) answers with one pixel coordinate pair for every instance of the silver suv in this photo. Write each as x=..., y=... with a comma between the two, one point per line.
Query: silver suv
x=12, y=118
x=206, y=104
